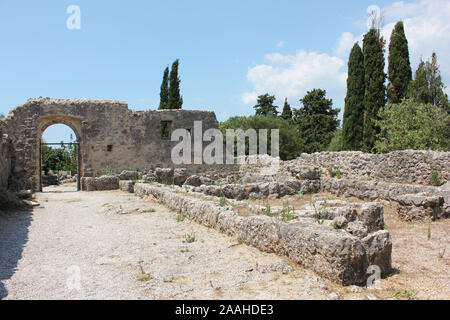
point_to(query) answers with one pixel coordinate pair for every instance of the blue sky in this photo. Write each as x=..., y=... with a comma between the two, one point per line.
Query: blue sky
x=229, y=51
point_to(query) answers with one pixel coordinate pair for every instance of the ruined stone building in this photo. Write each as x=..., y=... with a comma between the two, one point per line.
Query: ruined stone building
x=109, y=135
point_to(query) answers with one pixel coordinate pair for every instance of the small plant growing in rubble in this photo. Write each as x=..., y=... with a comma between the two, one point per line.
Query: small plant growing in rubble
x=187, y=188
x=287, y=213
x=189, y=237
x=434, y=178
x=442, y=250
x=106, y=171
x=319, y=213
x=180, y=217
x=338, y=173
x=143, y=276
x=330, y=172
x=223, y=200
x=267, y=211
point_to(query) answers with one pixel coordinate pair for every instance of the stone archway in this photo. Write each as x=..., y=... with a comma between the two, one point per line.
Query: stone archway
x=43, y=123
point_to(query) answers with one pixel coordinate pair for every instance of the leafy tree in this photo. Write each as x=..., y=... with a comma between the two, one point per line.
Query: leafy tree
x=264, y=106
x=413, y=125
x=287, y=112
x=63, y=158
x=337, y=142
x=164, y=93
x=2, y=116
x=353, y=122
x=399, y=69
x=375, y=90
x=316, y=121
x=290, y=144
x=175, y=99
x=427, y=86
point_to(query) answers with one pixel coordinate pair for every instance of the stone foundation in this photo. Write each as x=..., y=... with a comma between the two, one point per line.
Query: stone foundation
x=331, y=252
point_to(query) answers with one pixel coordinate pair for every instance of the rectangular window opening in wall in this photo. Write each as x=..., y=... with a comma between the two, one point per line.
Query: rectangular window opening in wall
x=166, y=128
x=109, y=147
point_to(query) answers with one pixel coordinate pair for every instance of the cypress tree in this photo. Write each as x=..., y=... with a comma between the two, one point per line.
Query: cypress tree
x=287, y=112
x=399, y=69
x=175, y=99
x=164, y=93
x=353, y=122
x=427, y=86
x=375, y=89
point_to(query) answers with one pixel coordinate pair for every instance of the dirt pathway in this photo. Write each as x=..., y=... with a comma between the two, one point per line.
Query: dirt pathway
x=113, y=245
x=122, y=247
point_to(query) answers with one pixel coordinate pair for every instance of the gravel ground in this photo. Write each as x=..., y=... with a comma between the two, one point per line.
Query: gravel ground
x=124, y=247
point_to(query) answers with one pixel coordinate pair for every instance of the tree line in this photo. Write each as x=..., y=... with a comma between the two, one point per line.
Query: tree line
x=407, y=113
x=379, y=116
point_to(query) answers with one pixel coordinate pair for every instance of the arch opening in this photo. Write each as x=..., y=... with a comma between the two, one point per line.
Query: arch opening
x=59, y=156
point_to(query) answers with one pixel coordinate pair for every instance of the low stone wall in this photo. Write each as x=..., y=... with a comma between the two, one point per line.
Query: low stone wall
x=414, y=202
x=398, y=166
x=331, y=252
x=261, y=190
x=99, y=184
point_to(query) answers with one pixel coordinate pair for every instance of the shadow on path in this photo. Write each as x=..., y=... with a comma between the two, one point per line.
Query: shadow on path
x=13, y=237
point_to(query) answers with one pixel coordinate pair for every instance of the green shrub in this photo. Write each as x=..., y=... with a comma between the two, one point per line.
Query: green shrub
x=435, y=181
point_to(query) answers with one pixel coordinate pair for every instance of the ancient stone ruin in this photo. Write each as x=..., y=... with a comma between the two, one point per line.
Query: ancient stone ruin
x=324, y=211
x=109, y=134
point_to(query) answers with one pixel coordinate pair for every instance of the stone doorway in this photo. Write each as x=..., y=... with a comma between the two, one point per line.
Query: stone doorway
x=73, y=147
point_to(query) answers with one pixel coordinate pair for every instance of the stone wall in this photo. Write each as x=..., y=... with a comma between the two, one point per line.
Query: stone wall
x=5, y=157
x=398, y=166
x=110, y=135
x=331, y=252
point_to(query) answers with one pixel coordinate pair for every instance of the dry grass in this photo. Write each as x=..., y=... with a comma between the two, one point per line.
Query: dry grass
x=421, y=270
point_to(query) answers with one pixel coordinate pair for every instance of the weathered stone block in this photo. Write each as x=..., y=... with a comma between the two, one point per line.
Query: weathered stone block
x=379, y=250
x=260, y=232
x=129, y=175
x=332, y=253
x=126, y=185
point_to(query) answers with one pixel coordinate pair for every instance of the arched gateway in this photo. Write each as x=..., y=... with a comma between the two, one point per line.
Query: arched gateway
x=109, y=135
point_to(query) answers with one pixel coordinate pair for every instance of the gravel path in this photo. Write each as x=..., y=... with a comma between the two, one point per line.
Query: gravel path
x=123, y=247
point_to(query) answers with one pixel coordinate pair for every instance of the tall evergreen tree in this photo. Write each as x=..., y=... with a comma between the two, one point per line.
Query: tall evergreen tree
x=264, y=105
x=375, y=89
x=427, y=86
x=316, y=120
x=353, y=124
x=164, y=93
x=287, y=112
x=399, y=69
x=175, y=99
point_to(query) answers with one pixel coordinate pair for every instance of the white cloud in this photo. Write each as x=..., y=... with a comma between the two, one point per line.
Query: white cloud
x=427, y=28
x=345, y=43
x=292, y=76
